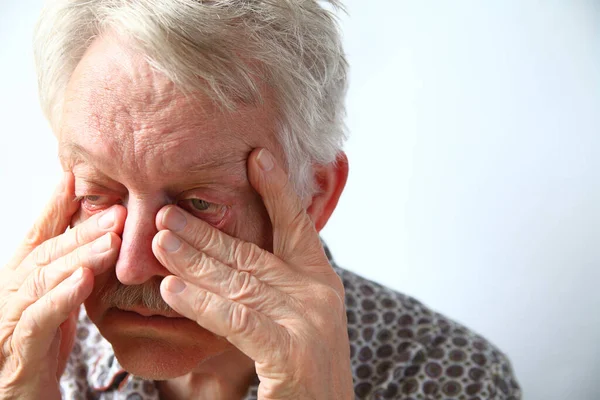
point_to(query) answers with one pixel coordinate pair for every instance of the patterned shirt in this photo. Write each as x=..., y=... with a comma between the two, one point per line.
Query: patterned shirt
x=400, y=349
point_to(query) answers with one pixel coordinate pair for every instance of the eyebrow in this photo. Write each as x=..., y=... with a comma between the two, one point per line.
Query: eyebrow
x=73, y=154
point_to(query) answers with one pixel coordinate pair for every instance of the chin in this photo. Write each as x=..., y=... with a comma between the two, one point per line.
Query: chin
x=157, y=348
x=158, y=360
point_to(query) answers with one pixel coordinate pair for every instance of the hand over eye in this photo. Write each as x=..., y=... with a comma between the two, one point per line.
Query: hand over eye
x=284, y=310
x=42, y=288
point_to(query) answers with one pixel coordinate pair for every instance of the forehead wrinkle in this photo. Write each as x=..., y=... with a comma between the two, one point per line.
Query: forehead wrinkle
x=222, y=159
x=226, y=168
x=166, y=142
x=137, y=126
x=227, y=171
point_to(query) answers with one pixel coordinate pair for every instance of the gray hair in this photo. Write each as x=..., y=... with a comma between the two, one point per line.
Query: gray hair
x=219, y=47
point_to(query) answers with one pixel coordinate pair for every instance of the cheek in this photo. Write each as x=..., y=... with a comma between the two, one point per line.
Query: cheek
x=78, y=218
x=252, y=224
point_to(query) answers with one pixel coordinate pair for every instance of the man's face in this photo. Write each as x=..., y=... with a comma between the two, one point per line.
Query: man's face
x=131, y=137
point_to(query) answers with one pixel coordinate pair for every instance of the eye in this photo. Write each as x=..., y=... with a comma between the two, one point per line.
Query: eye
x=92, y=199
x=94, y=202
x=199, y=204
x=210, y=212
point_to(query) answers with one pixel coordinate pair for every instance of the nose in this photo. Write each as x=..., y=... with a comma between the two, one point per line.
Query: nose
x=136, y=263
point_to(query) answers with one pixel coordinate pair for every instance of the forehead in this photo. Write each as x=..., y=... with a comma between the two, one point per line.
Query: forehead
x=129, y=117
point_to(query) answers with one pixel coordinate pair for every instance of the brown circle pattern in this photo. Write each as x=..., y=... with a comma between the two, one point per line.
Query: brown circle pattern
x=400, y=349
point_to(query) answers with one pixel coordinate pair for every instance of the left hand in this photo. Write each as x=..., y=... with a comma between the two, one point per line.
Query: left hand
x=285, y=310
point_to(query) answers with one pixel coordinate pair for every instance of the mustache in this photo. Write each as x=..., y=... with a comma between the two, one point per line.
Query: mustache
x=146, y=295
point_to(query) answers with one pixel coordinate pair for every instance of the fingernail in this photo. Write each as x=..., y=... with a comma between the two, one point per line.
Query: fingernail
x=107, y=220
x=175, y=285
x=77, y=275
x=174, y=219
x=265, y=160
x=103, y=244
x=168, y=241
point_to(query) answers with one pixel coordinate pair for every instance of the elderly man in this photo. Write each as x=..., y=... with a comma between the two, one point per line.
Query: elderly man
x=202, y=149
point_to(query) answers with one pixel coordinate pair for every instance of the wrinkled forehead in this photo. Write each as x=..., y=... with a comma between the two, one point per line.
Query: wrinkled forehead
x=118, y=108
x=112, y=80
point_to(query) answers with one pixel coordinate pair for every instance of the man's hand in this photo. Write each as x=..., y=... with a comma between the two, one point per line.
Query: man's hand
x=42, y=288
x=285, y=310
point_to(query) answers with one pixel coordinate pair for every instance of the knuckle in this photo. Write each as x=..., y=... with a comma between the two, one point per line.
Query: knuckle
x=246, y=255
x=199, y=263
x=239, y=319
x=201, y=302
x=35, y=284
x=42, y=254
x=77, y=258
x=242, y=285
x=204, y=237
x=80, y=234
x=29, y=329
x=51, y=304
x=34, y=237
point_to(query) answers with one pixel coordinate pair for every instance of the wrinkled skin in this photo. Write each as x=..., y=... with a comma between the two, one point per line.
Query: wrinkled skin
x=260, y=297
x=284, y=309
x=41, y=290
x=133, y=140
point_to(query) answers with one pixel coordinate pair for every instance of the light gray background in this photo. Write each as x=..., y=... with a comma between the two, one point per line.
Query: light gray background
x=474, y=151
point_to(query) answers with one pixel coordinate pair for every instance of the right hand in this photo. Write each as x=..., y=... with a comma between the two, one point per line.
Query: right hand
x=42, y=288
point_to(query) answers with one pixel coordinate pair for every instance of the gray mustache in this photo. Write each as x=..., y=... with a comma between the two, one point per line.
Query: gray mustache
x=146, y=295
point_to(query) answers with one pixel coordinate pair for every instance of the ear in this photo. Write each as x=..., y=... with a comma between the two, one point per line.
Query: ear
x=330, y=180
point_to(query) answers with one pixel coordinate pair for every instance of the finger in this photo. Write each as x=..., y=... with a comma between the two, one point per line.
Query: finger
x=36, y=330
x=251, y=332
x=294, y=234
x=198, y=268
x=53, y=221
x=236, y=253
x=111, y=220
x=97, y=256
x=67, y=333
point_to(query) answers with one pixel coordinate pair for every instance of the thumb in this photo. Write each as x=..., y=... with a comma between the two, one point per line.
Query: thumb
x=294, y=234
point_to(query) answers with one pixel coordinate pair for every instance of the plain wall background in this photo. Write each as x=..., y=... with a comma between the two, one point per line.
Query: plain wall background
x=474, y=185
